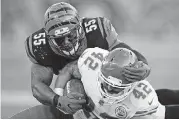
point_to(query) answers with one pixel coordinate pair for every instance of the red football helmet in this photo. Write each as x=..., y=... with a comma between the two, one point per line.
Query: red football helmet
x=63, y=27
x=112, y=83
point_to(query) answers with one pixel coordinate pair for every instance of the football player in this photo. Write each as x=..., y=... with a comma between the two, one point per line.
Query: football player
x=61, y=40
x=109, y=94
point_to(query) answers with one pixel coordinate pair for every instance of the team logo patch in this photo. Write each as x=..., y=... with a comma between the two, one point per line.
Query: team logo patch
x=121, y=112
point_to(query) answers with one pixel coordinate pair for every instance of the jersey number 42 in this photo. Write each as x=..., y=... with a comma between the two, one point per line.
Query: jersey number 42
x=143, y=92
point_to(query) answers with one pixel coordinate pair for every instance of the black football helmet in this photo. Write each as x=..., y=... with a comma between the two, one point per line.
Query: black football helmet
x=63, y=27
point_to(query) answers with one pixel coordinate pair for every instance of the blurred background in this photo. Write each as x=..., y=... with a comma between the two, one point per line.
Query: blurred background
x=150, y=26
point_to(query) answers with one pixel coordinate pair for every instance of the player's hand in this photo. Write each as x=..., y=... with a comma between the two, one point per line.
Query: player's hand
x=137, y=72
x=71, y=103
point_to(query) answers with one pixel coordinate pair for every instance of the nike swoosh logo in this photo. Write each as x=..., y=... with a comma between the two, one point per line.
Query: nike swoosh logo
x=151, y=101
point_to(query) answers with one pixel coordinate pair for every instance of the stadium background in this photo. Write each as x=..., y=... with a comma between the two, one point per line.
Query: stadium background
x=150, y=26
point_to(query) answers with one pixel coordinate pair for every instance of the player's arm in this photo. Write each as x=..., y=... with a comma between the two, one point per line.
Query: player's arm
x=111, y=36
x=69, y=102
x=131, y=73
x=66, y=74
x=40, y=82
x=41, y=77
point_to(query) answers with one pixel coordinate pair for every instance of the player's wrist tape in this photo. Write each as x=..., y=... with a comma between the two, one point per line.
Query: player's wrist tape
x=55, y=100
x=59, y=91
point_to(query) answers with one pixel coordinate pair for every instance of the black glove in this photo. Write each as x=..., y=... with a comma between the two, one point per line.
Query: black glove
x=70, y=103
x=137, y=72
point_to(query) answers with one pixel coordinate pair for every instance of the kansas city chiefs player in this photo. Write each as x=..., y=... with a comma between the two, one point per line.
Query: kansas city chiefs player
x=61, y=40
x=110, y=95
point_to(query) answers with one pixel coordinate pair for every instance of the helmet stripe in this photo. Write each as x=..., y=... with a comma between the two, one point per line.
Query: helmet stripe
x=59, y=16
x=61, y=9
x=52, y=21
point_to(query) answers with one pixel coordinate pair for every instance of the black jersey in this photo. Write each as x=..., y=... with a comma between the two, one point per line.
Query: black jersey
x=99, y=32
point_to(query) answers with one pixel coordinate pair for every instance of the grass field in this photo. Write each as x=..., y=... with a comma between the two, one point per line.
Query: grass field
x=163, y=57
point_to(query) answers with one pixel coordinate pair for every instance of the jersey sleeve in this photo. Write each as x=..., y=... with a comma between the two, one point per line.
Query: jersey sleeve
x=109, y=33
x=29, y=50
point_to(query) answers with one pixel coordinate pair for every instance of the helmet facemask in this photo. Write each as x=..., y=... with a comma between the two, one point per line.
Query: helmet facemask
x=68, y=45
x=112, y=83
x=112, y=89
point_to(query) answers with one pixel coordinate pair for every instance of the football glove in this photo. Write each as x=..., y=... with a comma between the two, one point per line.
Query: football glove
x=137, y=72
x=70, y=103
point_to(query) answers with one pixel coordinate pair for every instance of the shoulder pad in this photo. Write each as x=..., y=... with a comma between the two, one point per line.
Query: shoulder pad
x=89, y=51
x=94, y=32
x=83, y=56
x=37, y=47
x=29, y=51
x=96, y=54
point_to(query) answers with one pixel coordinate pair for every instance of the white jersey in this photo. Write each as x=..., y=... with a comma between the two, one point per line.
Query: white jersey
x=142, y=102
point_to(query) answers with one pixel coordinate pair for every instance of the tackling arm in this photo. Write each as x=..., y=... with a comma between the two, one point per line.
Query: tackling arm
x=114, y=42
x=41, y=78
x=68, y=103
x=66, y=74
x=130, y=73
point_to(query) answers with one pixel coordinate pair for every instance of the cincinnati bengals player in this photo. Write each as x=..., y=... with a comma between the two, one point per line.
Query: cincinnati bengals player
x=62, y=39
